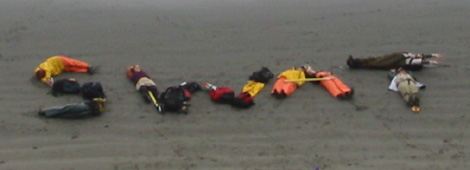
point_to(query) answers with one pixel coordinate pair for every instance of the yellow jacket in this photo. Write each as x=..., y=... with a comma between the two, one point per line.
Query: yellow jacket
x=292, y=74
x=253, y=88
x=53, y=66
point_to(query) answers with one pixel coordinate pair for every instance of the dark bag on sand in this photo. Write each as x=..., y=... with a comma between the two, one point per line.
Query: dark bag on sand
x=222, y=95
x=243, y=100
x=172, y=99
x=92, y=90
x=191, y=87
x=65, y=86
x=263, y=75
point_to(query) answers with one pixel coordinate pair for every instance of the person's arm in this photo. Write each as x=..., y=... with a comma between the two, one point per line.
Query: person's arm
x=433, y=55
x=430, y=62
x=393, y=85
x=392, y=73
x=50, y=82
x=130, y=72
x=47, y=78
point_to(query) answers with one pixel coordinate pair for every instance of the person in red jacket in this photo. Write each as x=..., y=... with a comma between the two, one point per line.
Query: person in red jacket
x=143, y=84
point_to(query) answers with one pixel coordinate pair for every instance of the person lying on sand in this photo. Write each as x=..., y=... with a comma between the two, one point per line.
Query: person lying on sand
x=409, y=61
x=332, y=83
x=407, y=86
x=256, y=83
x=74, y=111
x=288, y=81
x=55, y=65
x=144, y=85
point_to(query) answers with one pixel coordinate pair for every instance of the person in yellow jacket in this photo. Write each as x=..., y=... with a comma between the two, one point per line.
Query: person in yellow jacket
x=255, y=84
x=55, y=65
x=283, y=87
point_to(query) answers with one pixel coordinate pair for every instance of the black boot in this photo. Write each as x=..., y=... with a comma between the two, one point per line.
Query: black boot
x=41, y=112
x=353, y=63
x=92, y=70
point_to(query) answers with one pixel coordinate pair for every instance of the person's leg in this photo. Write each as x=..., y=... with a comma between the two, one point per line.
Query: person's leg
x=154, y=90
x=143, y=90
x=340, y=88
x=384, y=62
x=184, y=107
x=331, y=87
x=277, y=88
x=282, y=88
x=73, y=65
x=68, y=111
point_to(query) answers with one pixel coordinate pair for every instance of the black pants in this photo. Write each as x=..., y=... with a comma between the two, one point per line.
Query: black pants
x=144, y=90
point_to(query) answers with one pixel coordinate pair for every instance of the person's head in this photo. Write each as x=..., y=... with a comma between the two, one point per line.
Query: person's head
x=263, y=75
x=40, y=74
x=136, y=68
x=401, y=70
x=308, y=70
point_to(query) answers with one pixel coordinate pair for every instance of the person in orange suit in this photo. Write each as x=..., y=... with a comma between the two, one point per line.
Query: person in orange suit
x=284, y=85
x=55, y=65
x=332, y=83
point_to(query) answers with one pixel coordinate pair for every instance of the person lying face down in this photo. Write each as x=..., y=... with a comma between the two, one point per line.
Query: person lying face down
x=406, y=60
x=55, y=65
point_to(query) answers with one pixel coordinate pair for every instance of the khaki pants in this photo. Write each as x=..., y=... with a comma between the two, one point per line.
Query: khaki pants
x=144, y=81
x=409, y=92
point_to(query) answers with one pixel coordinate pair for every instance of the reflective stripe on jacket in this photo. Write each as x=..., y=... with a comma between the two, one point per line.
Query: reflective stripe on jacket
x=293, y=74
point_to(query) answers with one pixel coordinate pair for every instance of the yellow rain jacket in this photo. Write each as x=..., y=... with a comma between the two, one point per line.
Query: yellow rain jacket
x=293, y=74
x=53, y=66
x=253, y=88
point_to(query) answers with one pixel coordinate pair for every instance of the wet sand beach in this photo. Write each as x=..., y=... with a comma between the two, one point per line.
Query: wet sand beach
x=223, y=42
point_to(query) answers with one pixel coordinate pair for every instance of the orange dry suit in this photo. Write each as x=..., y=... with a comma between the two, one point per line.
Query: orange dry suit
x=55, y=65
x=334, y=85
x=284, y=87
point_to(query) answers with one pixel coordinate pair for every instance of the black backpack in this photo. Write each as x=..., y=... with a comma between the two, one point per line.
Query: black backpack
x=172, y=99
x=92, y=90
x=65, y=86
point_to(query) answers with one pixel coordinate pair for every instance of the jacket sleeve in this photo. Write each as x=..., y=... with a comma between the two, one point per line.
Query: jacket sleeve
x=129, y=73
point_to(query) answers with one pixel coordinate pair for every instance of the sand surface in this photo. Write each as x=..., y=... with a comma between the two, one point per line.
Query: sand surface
x=222, y=42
